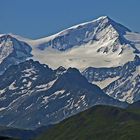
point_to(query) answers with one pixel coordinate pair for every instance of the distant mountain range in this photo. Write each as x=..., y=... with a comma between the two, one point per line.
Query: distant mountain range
x=47, y=80
x=32, y=95
x=122, y=82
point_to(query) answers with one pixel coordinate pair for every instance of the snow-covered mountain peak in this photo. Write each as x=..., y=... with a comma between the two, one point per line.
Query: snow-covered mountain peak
x=80, y=34
x=101, y=30
x=12, y=51
x=99, y=43
x=6, y=46
x=102, y=17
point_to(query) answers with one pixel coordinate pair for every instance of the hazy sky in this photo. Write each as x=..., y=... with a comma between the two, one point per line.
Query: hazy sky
x=38, y=18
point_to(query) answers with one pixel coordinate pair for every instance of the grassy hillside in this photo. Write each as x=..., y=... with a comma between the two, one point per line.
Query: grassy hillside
x=21, y=134
x=135, y=107
x=97, y=123
x=7, y=138
x=15, y=133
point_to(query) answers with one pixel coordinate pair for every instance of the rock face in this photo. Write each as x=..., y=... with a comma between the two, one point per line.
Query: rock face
x=126, y=85
x=32, y=95
x=12, y=51
x=102, y=29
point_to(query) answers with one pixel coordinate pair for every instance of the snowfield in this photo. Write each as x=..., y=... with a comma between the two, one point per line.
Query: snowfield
x=81, y=57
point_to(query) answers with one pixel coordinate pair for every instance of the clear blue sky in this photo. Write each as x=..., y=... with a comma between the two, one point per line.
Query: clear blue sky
x=38, y=18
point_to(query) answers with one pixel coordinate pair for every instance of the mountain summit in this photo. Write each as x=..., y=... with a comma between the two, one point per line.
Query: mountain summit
x=99, y=43
x=101, y=29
